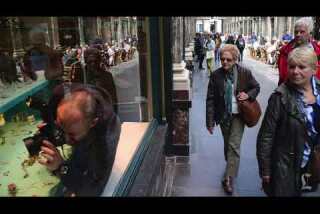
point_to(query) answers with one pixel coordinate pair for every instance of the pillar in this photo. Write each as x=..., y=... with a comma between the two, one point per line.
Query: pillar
x=99, y=27
x=268, y=27
x=281, y=26
x=181, y=91
x=276, y=27
x=119, y=36
x=81, y=31
x=54, y=32
x=112, y=28
x=260, y=25
x=16, y=38
x=289, y=24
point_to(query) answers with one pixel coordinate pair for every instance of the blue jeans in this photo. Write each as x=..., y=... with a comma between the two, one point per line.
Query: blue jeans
x=217, y=57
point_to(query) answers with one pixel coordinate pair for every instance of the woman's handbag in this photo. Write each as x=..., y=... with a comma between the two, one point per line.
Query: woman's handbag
x=210, y=54
x=250, y=111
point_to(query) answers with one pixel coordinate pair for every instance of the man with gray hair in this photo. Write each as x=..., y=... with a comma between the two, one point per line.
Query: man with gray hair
x=302, y=37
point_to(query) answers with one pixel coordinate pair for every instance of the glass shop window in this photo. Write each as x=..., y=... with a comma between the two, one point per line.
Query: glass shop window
x=39, y=53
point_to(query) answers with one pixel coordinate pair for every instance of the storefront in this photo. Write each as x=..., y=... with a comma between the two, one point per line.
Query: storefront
x=142, y=86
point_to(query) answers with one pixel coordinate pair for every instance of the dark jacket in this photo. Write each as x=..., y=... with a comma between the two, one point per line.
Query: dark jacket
x=198, y=46
x=215, y=104
x=241, y=46
x=230, y=40
x=43, y=58
x=280, y=142
x=8, y=70
x=92, y=159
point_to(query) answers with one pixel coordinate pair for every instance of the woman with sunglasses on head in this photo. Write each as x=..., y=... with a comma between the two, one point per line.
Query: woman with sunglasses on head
x=221, y=107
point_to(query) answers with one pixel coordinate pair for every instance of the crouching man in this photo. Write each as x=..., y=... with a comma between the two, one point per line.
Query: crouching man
x=91, y=127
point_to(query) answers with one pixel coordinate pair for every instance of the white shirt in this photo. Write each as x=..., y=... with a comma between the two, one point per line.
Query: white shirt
x=234, y=104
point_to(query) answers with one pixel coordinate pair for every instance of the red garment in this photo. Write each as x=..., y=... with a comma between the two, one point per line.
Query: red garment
x=283, y=59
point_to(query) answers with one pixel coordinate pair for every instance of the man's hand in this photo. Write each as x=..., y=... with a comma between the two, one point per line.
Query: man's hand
x=52, y=157
x=242, y=96
x=210, y=129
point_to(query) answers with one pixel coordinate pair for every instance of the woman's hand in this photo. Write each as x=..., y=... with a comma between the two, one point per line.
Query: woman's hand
x=266, y=185
x=52, y=157
x=242, y=96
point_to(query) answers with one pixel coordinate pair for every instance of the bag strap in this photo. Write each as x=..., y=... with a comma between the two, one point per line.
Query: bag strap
x=235, y=82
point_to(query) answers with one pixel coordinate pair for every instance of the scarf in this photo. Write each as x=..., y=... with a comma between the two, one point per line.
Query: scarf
x=229, y=80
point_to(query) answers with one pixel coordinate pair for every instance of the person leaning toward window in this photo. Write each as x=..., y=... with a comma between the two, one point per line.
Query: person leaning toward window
x=85, y=114
x=291, y=128
x=222, y=107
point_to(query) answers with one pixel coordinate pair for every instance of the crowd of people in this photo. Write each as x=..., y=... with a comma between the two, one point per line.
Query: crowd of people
x=111, y=52
x=208, y=45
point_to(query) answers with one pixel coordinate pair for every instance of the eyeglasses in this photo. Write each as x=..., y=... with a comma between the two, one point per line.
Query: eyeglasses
x=228, y=60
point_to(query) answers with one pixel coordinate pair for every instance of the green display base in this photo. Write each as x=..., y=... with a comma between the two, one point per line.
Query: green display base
x=40, y=181
x=17, y=93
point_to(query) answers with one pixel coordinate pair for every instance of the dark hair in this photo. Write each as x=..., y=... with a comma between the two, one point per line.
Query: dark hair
x=94, y=52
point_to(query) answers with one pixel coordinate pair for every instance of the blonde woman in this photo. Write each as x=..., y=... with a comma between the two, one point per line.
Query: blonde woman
x=290, y=128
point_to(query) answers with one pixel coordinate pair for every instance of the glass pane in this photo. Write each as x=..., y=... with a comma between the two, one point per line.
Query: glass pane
x=37, y=54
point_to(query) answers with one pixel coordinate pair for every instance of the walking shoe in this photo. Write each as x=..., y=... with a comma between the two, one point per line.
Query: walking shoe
x=227, y=185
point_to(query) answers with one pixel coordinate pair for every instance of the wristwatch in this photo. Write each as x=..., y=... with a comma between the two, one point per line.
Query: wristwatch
x=61, y=170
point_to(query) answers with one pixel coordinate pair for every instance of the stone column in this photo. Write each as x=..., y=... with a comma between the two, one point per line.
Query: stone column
x=90, y=28
x=16, y=38
x=260, y=25
x=281, y=26
x=99, y=27
x=253, y=26
x=112, y=28
x=294, y=19
x=268, y=30
x=263, y=26
x=81, y=31
x=54, y=32
x=276, y=27
x=106, y=29
x=181, y=91
x=129, y=26
x=119, y=35
x=289, y=24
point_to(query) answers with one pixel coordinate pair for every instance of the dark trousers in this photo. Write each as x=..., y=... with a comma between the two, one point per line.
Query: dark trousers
x=241, y=55
x=201, y=58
